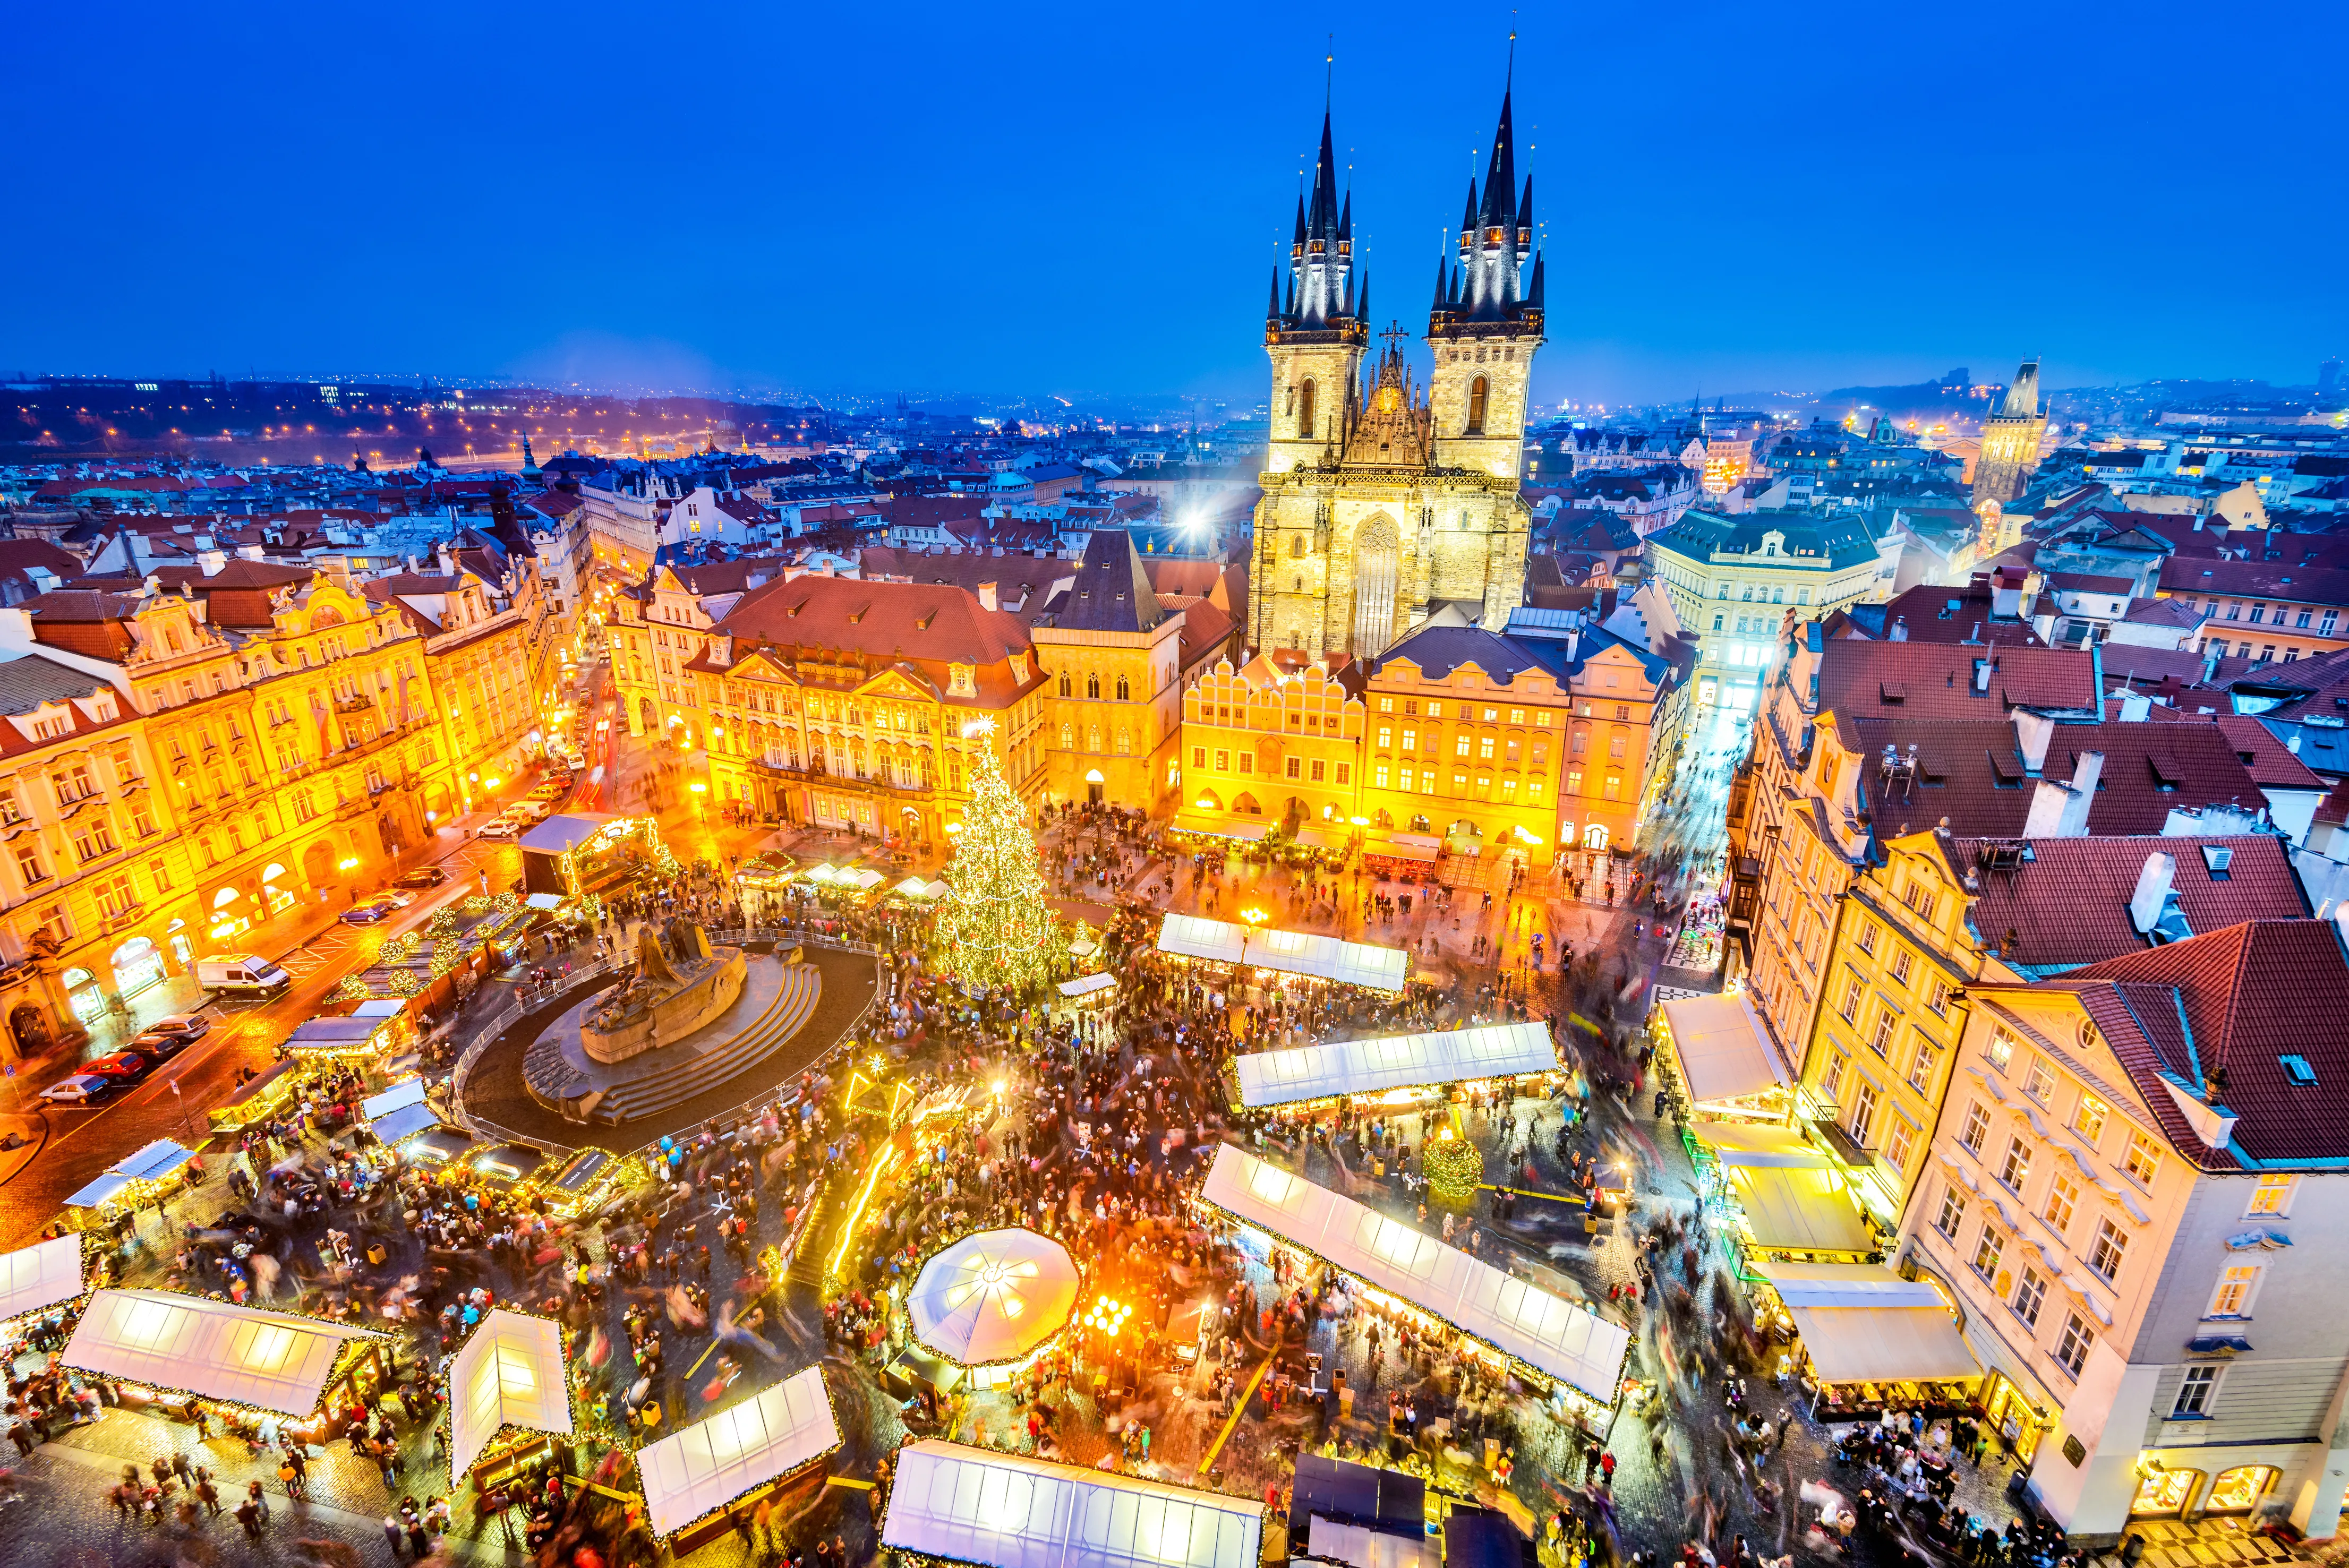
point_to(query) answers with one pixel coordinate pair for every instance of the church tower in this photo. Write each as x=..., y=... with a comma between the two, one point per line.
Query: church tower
x=1486, y=321
x=2009, y=440
x=1385, y=504
x=1317, y=332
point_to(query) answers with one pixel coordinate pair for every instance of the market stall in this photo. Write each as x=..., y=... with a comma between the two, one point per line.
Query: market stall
x=1086, y=986
x=1400, y=854
x=40, y=1276
x=1792, y=1203
x=399, y=1113
x=1306, y=954
x=990, y=1302
x=1214, y=825
x=347, y=1039
x=141, y=1177
x=508, y=1381
x=953, y=1502
x=1553, y=1336
x=1339, y=1068
x=589, y=1179
x=1717, y=1059
x=166, y=1343
x=1870, y=1340
x=736, y=1454
x=269, y=1095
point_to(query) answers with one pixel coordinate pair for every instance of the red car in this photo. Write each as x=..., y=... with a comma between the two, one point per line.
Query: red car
x=122, y=1067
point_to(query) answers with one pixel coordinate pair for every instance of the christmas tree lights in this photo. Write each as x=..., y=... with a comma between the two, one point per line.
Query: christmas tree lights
x=1453, y=1168
x=995, y=930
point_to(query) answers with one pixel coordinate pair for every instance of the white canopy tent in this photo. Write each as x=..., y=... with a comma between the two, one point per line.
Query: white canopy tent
x=1719, y=1045
x=102, y=1190
x=40, y=1276
x=270, y=1360
x=509, y=1374
x=1289, y=951
x=399, y=1126
x=993, y=1297
x=1862, y=1323
x=398, y=1097
x=1394, y=1061
x=710, y=1463
x=1546, y=1332
x=1086, y=985
x=1004, y=1511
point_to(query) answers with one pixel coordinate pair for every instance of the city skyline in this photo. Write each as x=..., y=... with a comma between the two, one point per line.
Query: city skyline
x=1757, y=212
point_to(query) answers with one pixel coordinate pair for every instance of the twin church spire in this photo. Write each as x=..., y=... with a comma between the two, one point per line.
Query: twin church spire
x=1322, y=294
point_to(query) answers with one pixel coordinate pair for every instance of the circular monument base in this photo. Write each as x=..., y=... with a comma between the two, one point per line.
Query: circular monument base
x=776, y=1000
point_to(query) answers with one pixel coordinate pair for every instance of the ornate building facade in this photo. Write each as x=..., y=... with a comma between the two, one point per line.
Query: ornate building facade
x=2009, y=440
x=1383, y=501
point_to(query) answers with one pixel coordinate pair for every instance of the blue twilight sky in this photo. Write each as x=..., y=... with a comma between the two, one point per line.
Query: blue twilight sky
x=1087, y=199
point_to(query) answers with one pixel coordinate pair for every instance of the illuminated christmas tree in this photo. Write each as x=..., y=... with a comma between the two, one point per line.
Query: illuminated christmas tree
x=995, y=930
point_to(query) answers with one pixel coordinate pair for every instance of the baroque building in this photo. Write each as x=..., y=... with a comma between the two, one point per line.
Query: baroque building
x=1384, y=501
x=2009, y=440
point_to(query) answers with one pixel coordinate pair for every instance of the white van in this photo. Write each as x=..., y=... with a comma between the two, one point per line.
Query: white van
x=241, y=974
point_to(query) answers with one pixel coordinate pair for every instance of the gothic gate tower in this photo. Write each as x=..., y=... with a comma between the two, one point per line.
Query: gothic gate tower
x=2009, y=440
x=1384, y=503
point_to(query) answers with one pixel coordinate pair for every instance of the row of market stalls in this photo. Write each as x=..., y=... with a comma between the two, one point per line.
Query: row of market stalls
x=1560, y=1342
x=1804, y=1241
x=1308, y=955
x=1401, y=1068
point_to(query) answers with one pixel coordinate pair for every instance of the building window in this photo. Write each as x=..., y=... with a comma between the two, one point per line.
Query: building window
x=2001, y=1049
x=1881, y=1039
x=2015, y=1169
x=1199, y=757
x=1296, y=767
x=2029, y=1295
x=1478, y=391
x=1831, y=1082
x=2236, y=1285
x=1863, y=1113
x=1977, y=1129
x=1866, y=937
x=1899, y=1142
x=2038, y=1082
x=1379, y=776
x=1953, y=1212
x=1318, y=769
x=1345, y=772
x=2111, y=1247
x=2072, y=1349
x=2274, y=1195
x=1222, y=761
x=1987, y=1252
x=1853, y=990
x=2088, y=1121
x=1902, y=962
x=1920, y=1066
x=2194, y=1392
x=2144, y=1159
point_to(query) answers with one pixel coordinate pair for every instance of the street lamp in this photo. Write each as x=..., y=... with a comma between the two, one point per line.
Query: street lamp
x=1255, y=916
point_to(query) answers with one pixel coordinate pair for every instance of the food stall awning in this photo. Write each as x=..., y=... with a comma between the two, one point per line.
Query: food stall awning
x=1862, y=1323
x=915, y=888
x=1795, y=1208
x=1393, y=1061
x=1719, y=1045
x=397, y=1127
x=1401, y=847
x=993, y=1297
x=105, y=1190
x=509, y=1374
x=1312, y=838
x=271, y=1360
x=339, y=1034
x=543, y=901
x=398, y=1097
x=561, y=834
x=707, y=1465
x=40, y=1276
x=1756, y=1144
x=1287, y=952
x=157, y=1161
x=1247, y=830
x=1544, y=1331
x=1086, y=985
x=996, y=1509
x=861, y=878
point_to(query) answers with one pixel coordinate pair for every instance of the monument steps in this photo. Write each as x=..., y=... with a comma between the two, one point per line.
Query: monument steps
x=717, y=1061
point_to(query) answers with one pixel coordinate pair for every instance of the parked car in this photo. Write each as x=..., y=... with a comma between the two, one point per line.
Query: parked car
x=369, y=912
x=161, y=1044
x=186, y=1025
x=82, y=1088
x=125, y=1067
x=241, y=974
x=423, y=876
x=396, y=898
x=503, y=827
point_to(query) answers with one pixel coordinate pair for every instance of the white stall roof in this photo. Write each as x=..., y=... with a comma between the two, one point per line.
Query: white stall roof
x=1004, y=1511
x=712, y=1462
x=407, y=1092
x=270, y=1360
x=1248, y=830
x=380, y=1007
x=1545, y=1331
x=1086, y=985
x=993, y=1297
x=105, y=1190
x=561, y=834
x=1719, y=1043
x=397, y=1127
x=159, y=1159
x=40, y=1276
x=1394, y=1061
x=1289, y=951
x=509, y=1374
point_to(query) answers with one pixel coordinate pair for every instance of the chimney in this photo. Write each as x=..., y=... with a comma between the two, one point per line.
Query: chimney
x=212, y=560
x=2090, y=768
x=248, y=553
x=1900, y=633
x=2005, y=598
x=1982, y=675
x=2033, y=731
x=986, y=597
x=2152, y=892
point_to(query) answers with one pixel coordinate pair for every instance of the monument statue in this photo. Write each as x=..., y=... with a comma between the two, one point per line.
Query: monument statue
x=680, y=982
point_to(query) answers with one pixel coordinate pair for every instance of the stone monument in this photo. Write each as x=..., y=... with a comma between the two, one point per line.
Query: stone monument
x=681, y=983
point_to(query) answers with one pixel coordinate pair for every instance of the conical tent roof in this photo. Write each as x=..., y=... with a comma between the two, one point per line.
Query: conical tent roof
x=993, y=1297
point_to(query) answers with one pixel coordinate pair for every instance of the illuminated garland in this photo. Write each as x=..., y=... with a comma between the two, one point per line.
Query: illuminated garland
x=1453, y=1167
x=995, y=928
x=352, y=989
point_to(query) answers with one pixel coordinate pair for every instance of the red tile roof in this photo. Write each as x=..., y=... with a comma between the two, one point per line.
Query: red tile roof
x=1936, y=680
x=2068, y=904
x=2238, y=1000
x=2258, y=579
x=921, y=625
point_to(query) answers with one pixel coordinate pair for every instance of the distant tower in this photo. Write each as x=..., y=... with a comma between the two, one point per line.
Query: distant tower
x=2328, y=376
x=1318, y=333
x=1486, y=321
x=2009, y=440
x=530, y=471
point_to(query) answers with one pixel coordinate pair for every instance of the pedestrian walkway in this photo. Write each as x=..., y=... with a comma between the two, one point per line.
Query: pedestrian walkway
x=2175, y=1543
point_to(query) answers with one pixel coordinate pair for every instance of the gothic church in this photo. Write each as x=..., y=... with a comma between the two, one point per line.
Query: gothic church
x=1386, y=502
